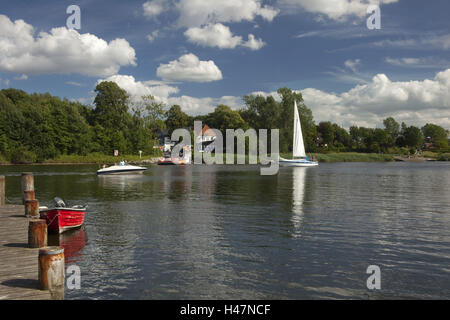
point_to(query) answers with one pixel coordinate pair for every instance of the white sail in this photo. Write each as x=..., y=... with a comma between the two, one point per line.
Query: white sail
x=298, y=148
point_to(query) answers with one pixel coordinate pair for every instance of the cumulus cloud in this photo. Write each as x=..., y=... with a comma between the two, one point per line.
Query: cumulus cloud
x=189, y=68
x=414, y=102
x=197, y=106
x=194, y=13
x=61, y=51
x=163, y=92
x=136, y=89
x=213, y=35
x=253, y=43
x=338, y=10
x=218, y=35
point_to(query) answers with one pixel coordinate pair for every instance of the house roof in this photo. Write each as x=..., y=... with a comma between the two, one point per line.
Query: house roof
x=207, y=131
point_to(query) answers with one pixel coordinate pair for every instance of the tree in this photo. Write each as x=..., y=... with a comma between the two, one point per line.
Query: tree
x=154, y=112
x=393, y=130
x=326, y=132
x=436, y=134
x=342, y=138
x=382, y=139
x=261, y=112
x=111, y=105
x=413, y=137
x=224, y=118
x=176, y=118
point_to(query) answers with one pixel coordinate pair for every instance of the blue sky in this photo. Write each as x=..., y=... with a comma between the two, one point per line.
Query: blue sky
x=202, y=53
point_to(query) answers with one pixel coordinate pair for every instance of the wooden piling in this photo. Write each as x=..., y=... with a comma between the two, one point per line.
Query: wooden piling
x=2, y=191
x=37, y=233
x=27, y=184
x=52, y=271
x=28, y=195
x=32, y=208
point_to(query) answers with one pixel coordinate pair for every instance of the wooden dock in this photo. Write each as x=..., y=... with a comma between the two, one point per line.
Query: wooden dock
x=18, y=263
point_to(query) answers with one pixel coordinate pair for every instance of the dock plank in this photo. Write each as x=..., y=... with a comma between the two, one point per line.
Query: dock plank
x=18, y=263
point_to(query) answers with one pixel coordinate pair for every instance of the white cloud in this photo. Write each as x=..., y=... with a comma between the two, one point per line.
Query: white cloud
x=137, y=89
x=415, y=102
x=152, y=36
x=253, y=43
x=403, y=61
x=61, y=51
x=154, y=8
x=423, y=42
x=74, y=83
x=200, y=106
x=412, y=102
x=213, y=35
x=352, y=64
x=164, y=93
x=425, y=62
x=338, y=10
x=218, y=35
x=189, y=68
x=194, y=13
x=22, y=77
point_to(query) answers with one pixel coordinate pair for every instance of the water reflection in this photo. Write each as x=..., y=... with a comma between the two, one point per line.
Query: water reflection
x=73, y=242
x=298, y=194
x=120, y=182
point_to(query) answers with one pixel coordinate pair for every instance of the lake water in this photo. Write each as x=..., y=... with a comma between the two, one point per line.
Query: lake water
x=226, y=232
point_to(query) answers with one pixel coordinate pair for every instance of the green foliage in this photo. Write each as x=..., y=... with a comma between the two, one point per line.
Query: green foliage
x=267, y=113
x=436, y=135
x=444, y=157
x=412, y=137
x=38, y=127
x=224, y=118
x=176, y=119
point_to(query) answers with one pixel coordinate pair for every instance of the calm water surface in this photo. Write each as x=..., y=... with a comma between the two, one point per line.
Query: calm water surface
x=226, y=232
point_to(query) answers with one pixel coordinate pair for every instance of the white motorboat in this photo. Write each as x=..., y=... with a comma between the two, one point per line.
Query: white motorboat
x=298, y=149
x=122, y=168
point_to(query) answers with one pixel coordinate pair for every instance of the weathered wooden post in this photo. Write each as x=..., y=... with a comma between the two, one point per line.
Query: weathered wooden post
x=2, y=191
x=27, y=183
x=52, y=271
x=37, y=233
x=28, y=195
x=32, y=208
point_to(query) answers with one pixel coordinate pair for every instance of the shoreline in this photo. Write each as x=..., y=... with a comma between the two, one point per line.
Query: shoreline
x=321, y=157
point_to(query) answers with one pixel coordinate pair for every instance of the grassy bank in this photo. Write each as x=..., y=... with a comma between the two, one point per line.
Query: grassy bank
x=337, y=157
x=443, y=157
x=353, y=157
x=96, y=158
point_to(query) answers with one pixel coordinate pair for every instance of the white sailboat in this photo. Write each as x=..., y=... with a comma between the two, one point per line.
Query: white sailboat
x=298, y=149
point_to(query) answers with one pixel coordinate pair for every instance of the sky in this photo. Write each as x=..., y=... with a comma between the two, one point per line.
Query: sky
x=198, y=53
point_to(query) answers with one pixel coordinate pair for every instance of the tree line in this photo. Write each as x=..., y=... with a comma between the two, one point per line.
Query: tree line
x=35, y=127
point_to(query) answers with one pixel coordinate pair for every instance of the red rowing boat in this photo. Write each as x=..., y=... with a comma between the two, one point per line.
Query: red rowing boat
x=61, y=218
